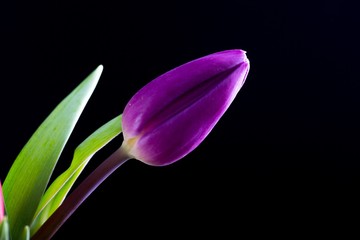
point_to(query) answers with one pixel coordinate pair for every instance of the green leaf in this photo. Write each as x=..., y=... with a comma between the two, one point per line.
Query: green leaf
x=26, y=233
x=29, y=175
x=4, y=229
x=58, y=190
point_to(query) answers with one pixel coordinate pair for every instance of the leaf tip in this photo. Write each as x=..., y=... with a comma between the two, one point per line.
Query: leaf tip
x=100, y=68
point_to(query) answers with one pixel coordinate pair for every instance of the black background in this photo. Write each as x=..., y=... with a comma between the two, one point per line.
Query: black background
x=284, y=155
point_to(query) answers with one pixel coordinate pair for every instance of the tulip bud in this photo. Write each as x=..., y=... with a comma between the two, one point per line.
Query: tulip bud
x=171, y=115
x=2, y=210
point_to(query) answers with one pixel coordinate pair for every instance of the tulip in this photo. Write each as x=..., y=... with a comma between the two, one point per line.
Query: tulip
x=172, y=115
x=165, y=120
x=2, y=208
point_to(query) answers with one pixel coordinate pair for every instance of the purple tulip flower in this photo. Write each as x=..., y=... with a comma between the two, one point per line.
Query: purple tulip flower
x=171, y=115
x=2, y=208
x=165, y=120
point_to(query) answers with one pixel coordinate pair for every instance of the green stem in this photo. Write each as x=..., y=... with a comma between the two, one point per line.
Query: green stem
x=85, y=188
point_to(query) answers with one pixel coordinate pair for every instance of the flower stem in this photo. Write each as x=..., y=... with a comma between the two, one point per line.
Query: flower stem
x=85, y=188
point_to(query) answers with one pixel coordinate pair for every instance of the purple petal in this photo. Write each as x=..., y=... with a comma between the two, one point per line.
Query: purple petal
x=171, y=115
x=2, y=209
